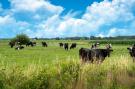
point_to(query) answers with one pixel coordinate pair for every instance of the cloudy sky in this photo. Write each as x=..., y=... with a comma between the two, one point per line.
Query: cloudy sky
x=65, y=18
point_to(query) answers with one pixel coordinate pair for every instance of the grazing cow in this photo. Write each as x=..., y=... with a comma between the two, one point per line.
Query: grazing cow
x=132, y=52
x=19, y=47
x=44, y=44
x=66, y=46
x=12, y=44
x=31, y=44
x=61, y=44
x=94, y=54
x=95, y=46
x=73, y=45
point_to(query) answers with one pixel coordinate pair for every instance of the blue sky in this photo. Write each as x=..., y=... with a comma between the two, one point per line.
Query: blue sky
x=65, y=18
x=74, y=5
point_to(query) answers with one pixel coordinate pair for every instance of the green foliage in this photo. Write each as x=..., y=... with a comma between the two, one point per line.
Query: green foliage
x=68, y=75
x=22, y=38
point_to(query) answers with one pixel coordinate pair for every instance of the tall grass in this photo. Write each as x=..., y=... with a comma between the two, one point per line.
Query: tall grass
x=70, y=74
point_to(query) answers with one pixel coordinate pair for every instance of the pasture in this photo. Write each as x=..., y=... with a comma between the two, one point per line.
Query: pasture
x=54, y=68
x=52, y=53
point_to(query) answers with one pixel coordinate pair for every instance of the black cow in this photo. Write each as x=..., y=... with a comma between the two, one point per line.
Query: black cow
x=12, y=44
x=132, y=52
x=44, y=44
x=61, y=44
x=19, y=47
x=66, y=46
x=31, y=44
x=94, y=54
x=73, y=45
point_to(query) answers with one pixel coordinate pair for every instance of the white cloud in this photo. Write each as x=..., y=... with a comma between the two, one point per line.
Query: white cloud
x=107, y=12
x=117, y=32
x=33, y=11
x=4, y=20
x=34, y=5
x=9, y=27
x=97, y=15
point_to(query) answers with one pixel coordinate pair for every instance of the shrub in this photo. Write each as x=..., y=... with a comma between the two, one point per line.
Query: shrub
x=22, y=38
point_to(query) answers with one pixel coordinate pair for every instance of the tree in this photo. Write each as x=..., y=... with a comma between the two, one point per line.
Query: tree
x=21, y=39
x=92, y=37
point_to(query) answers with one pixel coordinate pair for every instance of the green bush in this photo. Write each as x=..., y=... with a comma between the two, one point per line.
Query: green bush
x=22, y=38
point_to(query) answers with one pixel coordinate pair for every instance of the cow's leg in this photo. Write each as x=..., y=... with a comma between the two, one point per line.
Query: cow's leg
x=100, y=59
x=82, y=59
x=94, y=60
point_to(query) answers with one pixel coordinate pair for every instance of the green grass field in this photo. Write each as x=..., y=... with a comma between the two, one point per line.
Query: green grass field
x=52, y=53
x=54, y=68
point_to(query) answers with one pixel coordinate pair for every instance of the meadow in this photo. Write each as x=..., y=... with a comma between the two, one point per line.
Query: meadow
x=54, y=68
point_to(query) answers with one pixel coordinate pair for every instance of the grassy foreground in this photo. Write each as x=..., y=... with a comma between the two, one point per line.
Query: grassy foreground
x=69, y=74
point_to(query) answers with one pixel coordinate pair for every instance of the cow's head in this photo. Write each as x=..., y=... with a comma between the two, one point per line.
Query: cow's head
x=109, y=46
x=130, y=49
x=108, y=51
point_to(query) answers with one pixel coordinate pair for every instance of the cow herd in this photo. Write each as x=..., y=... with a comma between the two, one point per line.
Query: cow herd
x=95, y=54
x=66, y=45
x=92, y=54
x=18, y=46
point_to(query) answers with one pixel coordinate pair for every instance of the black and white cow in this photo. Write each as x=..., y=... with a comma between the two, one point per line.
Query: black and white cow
x=19, y=47
x=132, y=51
